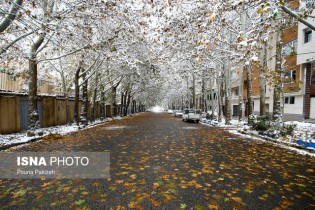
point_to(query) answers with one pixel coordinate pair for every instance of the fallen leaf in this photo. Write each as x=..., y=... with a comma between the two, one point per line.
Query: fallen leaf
x=155, y=202
x=156, y=185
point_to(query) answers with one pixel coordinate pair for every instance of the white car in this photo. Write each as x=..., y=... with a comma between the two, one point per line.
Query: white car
x=178, y=113
x=192, y=115
x=169, y=111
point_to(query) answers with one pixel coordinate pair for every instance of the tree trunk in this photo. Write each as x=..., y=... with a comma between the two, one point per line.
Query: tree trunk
x=249, y=95
x=65, y=94
x=65, y=90
x=262, y=83
x=240, y=91
x=227, y=94
x=240, y=96
x=220, y=102
x=85, y=101
x=212, y=98
x=202, y=99
x=103, y=105
x=127, y=104
x=94, y=97
x=277, y=81
x=77, y=95
x=121, y=104
x=124, y=110
x=33, y=117
x=133, y=106
x=194, y=92
x=113, y=104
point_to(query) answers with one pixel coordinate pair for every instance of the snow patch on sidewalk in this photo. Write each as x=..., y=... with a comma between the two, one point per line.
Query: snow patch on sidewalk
x=190, y=128
x=115, y=127
x=247, y=136
x=20, y=138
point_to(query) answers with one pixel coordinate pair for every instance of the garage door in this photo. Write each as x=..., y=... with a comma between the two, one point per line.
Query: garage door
x=312, y=113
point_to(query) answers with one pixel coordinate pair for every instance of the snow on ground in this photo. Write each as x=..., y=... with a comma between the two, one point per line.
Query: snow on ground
x=304, y=132
x=190, y=128
x=278, y=143
x=115, y=127
x=16, y=138
x=19, y=138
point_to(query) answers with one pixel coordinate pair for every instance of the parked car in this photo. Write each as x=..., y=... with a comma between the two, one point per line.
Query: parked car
x=178, y=113
x=169, y=111
x=192, y=115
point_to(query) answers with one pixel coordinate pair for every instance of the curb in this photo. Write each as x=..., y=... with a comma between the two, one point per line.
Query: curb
x=5, y=147
x=280, y=143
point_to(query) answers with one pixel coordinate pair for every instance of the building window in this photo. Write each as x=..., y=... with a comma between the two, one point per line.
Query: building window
x=313, y=75
x=289, y=48
x=236, y=92
x=307, y=35
x=290, y=76
x=289, y=100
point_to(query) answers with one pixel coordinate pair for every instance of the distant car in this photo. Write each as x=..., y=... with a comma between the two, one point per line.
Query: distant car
x=170, y=111
x=178, y=113
x=192, y=115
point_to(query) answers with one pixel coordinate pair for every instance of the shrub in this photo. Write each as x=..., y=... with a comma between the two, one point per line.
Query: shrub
x=262, y=123
x=287, y=130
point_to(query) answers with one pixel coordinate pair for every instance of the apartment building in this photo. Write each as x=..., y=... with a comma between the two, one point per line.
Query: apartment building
x=11, y=82
x=306, y=60
x=293, y=76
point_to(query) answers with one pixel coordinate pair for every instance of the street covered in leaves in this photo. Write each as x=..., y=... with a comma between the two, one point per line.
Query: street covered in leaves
x=160, y=162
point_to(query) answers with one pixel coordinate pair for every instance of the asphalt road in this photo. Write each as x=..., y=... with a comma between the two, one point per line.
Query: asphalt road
x=160, y=162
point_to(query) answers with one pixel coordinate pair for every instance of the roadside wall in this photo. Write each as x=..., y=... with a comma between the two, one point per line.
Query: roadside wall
x=9, y=114
x=52, y=111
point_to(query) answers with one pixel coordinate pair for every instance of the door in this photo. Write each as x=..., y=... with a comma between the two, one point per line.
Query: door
x=312, y=108
x=24, y=114
x=235, y=110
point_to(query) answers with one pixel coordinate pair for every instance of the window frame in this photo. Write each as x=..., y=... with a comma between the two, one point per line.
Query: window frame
x=307, y=35
x=312, y=77
x=292, y=80
x=289, y=48
x=292, y=98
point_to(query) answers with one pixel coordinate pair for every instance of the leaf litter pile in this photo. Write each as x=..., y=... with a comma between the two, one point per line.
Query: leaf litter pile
x=156, y=164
